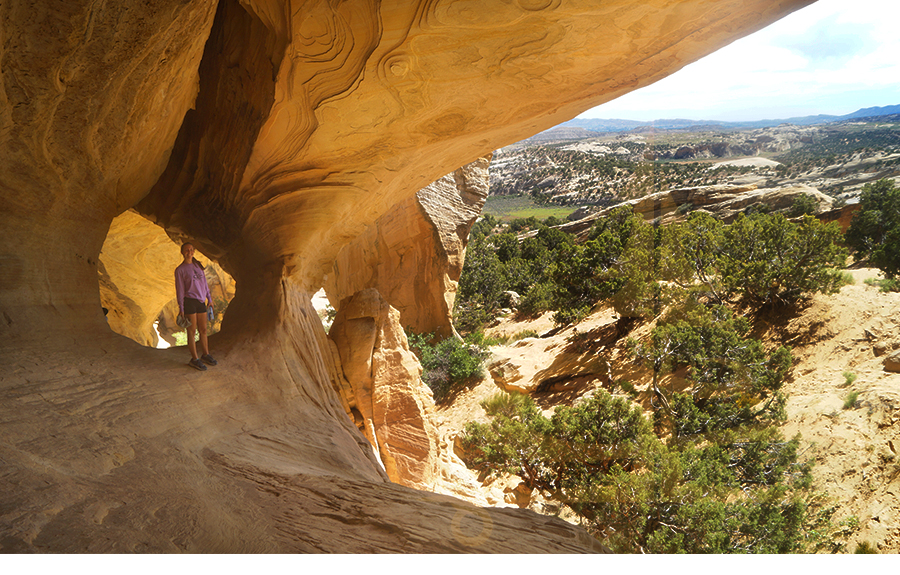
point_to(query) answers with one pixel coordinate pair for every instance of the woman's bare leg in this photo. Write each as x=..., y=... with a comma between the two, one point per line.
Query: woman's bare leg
x=192, y=346
x=201, y=327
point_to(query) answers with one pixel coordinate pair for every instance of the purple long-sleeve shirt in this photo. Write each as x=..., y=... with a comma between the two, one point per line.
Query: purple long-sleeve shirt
x=190, y=281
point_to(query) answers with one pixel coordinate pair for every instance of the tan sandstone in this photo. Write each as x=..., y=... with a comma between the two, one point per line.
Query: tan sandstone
x=270, y=133
x=386, y=389
x=137, y=285
x=725, y=201
x=414, y=254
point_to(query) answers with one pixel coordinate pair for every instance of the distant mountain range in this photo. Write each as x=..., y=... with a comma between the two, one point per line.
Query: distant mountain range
x=601, y=125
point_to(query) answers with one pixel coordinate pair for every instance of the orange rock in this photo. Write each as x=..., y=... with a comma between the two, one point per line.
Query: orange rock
x=413, y=255
x=271, y=134
x=385, y=379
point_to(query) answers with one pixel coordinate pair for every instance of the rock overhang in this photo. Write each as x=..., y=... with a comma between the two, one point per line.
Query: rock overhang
x=270, y=133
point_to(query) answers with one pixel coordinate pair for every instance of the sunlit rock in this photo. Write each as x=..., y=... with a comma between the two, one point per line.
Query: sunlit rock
x=271, y=133
x=413, y=255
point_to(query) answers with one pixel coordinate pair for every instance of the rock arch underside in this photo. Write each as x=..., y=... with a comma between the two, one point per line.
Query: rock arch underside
x=272, y=133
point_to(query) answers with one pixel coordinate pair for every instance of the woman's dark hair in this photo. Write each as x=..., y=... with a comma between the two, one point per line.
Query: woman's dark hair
x=196, y=263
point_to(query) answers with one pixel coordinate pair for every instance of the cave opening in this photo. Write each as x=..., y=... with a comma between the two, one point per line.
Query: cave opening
x=137, y=289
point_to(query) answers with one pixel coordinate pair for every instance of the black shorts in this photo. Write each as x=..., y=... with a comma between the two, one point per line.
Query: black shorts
x=192, y=305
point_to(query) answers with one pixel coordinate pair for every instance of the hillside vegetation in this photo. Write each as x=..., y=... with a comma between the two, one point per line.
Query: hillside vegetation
x=693, y=459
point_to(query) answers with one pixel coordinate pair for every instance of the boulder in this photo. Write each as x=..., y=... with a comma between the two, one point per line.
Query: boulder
x=506, y=374
x=510, y=299
x=892, y=363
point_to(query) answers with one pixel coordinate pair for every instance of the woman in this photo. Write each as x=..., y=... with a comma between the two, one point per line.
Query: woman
x=193, y=296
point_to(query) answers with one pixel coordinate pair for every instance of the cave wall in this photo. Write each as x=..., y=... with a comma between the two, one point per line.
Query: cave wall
x=92, y=97
x=270, y=133
x=414, y=254
x=137, y=285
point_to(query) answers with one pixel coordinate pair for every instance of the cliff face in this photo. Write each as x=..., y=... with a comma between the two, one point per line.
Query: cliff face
x=271, y=133
x=413, y=255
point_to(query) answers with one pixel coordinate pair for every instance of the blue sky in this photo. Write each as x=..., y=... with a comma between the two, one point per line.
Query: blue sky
x=833, y=57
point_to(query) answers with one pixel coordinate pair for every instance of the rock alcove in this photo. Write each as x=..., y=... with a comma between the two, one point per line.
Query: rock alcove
x=273, y=134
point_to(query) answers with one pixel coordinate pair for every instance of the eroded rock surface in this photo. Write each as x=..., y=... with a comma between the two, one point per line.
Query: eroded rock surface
x=137, y=284
x=271, y=133
x=386, y=389
x=726, y=202
x=413, y=255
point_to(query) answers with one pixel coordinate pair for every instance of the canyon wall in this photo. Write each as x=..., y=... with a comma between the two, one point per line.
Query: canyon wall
x=270, y=133
x=414, y=254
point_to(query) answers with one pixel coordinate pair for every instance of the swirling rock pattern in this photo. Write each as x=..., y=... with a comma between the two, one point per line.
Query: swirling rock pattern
x=271, y=133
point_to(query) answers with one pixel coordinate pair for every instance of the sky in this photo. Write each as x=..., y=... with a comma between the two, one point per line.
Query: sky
x=832, y=57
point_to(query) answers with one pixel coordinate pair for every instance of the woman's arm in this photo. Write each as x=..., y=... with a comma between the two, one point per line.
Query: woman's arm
x=179, y=292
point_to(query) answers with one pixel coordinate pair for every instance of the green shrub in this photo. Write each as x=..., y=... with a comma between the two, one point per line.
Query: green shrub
x=849, y=378
x=744, y=493
x=538, y=299
x=850, y=400
x=803, y=205
x=628, y=388
x=484, y=226
x=733, y=380
x=524, y=334
x=884, y=285
x=768, y=260
x=874, y=231
x=448, y=362
x=864, y=548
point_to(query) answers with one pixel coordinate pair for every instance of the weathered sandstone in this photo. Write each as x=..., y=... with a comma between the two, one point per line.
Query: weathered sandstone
x=270, y=133
x=386, y=388
x=136, y=279
x=723, y=201
x=892, y=363
x=413, y=255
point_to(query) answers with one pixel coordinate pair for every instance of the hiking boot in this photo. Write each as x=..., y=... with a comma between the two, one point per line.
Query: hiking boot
x=209, y=359
x=197, y=364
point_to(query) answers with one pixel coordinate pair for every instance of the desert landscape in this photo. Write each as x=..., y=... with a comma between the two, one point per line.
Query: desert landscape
x=853, y=448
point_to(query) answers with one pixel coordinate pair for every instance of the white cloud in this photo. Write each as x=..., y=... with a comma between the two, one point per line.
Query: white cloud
x=832, y=57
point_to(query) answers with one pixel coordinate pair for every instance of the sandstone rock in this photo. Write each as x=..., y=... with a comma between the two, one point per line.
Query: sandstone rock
x=520, y=495
x=388, y=391
x=510, y=299
x=842, y=215
x=506, y=374
x=892, y=363
x=271, y=134
x=136, y=279
x=414, y=254
x=724, y=201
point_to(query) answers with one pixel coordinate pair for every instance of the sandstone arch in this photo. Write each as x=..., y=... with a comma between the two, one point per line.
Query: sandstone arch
x=272, y=132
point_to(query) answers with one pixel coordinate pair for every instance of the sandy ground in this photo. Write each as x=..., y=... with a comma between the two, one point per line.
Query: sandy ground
x=754, y=162
x=855, y=448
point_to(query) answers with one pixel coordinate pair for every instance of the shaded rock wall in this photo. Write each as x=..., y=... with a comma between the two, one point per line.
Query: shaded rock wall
x=271, y=133
x=92, y=98
x=414, y=254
